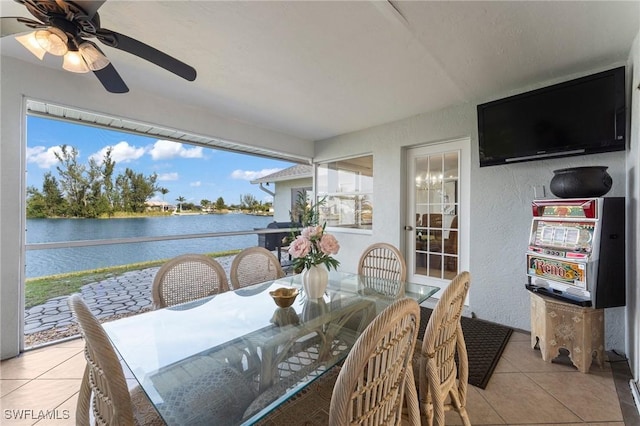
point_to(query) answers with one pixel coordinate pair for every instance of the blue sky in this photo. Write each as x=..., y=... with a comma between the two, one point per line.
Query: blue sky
x=194, y=173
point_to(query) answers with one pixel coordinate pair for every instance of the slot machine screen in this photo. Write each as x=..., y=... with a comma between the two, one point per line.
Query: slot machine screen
x=575, y=236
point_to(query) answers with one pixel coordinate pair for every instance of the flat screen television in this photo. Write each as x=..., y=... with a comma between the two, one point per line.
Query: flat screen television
x=577, y=117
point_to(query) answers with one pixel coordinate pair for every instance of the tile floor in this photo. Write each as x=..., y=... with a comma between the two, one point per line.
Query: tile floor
x=524, y=390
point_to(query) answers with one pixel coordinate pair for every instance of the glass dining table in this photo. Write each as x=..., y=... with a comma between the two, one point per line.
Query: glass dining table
x=234, y=357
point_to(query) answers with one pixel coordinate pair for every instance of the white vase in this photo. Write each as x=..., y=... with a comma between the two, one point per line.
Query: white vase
x=314, y=281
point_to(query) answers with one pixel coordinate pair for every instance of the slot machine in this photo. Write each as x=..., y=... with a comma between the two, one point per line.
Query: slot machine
x=576, y=251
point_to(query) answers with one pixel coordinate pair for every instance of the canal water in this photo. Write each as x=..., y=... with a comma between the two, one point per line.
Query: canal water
x=56, y=261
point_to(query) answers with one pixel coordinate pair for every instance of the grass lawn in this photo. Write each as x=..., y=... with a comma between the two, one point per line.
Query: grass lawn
x=39, y=290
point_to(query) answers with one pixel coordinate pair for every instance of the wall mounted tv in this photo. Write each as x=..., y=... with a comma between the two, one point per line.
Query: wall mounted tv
x=577, y=117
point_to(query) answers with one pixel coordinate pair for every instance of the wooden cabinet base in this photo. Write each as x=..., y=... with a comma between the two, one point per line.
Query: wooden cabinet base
x=558, y=325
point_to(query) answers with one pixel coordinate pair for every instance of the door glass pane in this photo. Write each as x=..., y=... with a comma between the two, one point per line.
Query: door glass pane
x=436, y=205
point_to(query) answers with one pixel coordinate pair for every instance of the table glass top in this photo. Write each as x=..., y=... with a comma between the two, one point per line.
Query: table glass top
x=256, y=353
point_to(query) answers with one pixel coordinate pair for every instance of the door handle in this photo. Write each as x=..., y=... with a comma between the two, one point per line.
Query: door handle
x=408, y=228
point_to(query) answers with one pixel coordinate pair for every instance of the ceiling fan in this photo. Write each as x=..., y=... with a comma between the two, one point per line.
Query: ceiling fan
x=62, y=29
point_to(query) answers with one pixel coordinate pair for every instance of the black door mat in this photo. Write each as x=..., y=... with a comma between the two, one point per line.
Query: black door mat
x=485, y=343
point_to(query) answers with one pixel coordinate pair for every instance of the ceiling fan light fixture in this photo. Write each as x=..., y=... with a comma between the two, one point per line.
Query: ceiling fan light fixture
x=52, y=40
x=31, y=44
x=73, y=62
x=93, y=57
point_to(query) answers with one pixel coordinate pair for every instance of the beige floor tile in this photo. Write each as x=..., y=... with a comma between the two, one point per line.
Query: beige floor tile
x=73, y=343
x=65, y=412
x=18, y=418
x=518, y=399
x=505, y=366
x=72, y=368
x=526, y=359
x=9, y=385
x=35, y=397
x=478, y=409
x=587, y=395
x=545, y=394
x=32, y=364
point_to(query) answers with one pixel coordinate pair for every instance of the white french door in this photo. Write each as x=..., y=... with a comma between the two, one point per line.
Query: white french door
x=437, y=222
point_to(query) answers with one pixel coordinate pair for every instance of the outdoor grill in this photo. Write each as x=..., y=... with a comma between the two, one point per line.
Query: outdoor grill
x=274, y=241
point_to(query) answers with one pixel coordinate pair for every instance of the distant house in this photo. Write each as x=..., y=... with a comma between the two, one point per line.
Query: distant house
x=160, y=206
x=287, y=184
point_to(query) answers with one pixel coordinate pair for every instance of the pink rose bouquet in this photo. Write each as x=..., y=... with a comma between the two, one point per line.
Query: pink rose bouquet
x=313, y=247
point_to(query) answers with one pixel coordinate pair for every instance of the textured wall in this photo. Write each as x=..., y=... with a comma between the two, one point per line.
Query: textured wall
x=500, y=207
x=633, y=216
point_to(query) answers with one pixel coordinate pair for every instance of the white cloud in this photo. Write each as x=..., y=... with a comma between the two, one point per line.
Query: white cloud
x=45, y=158
x=197, y=183
x=121, y=152
x=167, y=176
x=163, y=150
x=252, y=174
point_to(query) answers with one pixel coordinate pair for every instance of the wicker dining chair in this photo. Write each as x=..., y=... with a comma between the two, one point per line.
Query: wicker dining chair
x=377, y=373
x=187, y=277
x=104, y=387
x=254, y=265
x=438, y=373
x=373, y=383
x=383, y=260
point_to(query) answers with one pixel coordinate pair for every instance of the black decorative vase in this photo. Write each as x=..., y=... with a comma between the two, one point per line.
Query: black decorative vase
x=581, y=182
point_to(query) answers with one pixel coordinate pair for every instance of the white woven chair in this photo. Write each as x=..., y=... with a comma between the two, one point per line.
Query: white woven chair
x=104, y=387
x=439, y=375
x=254, y=265
x=187, y=277
x=372, y=384
x=383, y=260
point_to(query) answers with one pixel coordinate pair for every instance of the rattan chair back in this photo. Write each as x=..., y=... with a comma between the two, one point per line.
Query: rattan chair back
x=439, y=374
x=254, y=265
x=383, y=260
x=377, y=376
x=187, y=277
x=104, y=387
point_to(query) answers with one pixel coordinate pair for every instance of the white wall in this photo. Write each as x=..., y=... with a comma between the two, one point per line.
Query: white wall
x=282, y=201
x=19, y=80
x=633, y=216
x=500, y=207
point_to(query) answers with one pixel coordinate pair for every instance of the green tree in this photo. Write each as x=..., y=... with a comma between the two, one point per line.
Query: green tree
x=123, y=189
x=189, y=206
x=55, y=203
x=248, y=201
x=110, y=194
x=205, y=204
x=136, y=189
x=96, y=204
x=49, y=202
x=72, y=180
x=220, y=205
x=163, y=191
x=180, y=200
x=36, y=204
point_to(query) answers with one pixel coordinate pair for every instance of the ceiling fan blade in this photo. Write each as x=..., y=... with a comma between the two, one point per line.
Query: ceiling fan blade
x=111, y=80
x=15, y=25
x=151, y=54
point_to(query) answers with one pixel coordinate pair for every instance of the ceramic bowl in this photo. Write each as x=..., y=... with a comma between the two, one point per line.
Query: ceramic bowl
x=284, y=296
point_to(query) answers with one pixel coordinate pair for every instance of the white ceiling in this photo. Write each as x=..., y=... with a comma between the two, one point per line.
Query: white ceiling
x=320, y=69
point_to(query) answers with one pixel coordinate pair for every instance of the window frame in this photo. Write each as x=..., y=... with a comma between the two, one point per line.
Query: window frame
x=359, y=193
